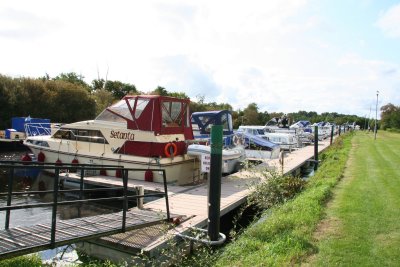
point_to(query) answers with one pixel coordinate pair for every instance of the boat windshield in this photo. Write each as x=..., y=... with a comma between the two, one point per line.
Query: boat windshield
x=118, y=112
x=171, y=113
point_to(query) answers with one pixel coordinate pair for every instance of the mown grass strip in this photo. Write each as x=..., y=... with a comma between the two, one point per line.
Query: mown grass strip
x=364, y=217
x=286, y=235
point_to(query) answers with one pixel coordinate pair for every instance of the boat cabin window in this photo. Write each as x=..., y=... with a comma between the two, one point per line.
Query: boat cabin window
x=121, y=108
x=226, y=120
x=118, y=112
x=172, y=114
x=140, y=106
x=92, y=136
x=106, y=115
x=63, y=134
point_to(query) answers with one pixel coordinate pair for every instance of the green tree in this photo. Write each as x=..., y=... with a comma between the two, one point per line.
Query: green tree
x=103, y=99
x=120, y=89
x=390, y=116
x=72, y=77
x=250, y=115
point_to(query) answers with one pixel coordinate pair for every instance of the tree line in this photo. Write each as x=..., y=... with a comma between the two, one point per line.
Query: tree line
x=67, y=98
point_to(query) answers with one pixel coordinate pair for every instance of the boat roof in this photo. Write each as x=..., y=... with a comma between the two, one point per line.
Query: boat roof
x=160, y=114
x=204, y=120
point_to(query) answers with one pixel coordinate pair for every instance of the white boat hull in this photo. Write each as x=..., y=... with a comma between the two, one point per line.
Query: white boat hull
x=231, y=157
x=179, y=170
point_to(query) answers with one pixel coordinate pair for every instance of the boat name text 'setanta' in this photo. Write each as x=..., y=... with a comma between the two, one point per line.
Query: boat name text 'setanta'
x=122, y=135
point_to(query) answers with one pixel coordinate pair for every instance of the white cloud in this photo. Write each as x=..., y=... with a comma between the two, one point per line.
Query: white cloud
x=389, y=21
x=278, y=54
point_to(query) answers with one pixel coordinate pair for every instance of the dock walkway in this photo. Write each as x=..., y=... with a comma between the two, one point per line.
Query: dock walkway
x=193, y=202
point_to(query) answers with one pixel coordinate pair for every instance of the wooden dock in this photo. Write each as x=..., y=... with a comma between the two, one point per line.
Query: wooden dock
x=192, y=202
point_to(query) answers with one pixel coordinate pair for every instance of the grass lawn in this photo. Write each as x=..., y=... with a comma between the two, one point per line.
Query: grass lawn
x=285, y=234
x=362, y=226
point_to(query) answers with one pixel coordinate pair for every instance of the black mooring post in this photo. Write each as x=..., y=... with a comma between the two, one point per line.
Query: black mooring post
x=9, y=196
x=81, y=183
x=54, y=212
x=315, y=148
x=332, y=134
x=340, y=129
x=214, y=183
x=125, y=204
x=166, y=195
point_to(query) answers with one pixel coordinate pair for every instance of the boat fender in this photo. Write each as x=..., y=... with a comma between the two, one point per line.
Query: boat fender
x=41, y=157
x=171, y=150
x=148, y=176
x=58, y=162
x=118, y=173
x=26, y=157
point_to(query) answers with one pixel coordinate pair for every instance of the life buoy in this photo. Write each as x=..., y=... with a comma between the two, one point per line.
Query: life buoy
x=172, y=153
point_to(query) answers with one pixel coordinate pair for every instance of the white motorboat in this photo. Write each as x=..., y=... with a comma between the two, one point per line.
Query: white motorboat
x=143, y=131
x=233, y=153
x=256, y=143
x=231, y=157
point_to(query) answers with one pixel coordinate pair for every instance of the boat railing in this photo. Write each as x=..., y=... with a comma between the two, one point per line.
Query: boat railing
x=11, y=166
x=37, y=129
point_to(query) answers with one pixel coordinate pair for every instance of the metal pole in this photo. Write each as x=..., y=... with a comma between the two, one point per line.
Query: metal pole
x=9, y=196
x=166, y=195
x=315, y=148
x=125, y=203
x=332, y=134
x=214, y=183
x=376, y=115
x=54, y=212
x=81, y=183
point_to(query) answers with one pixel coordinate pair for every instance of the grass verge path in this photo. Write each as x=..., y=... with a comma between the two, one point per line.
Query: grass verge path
x=362, y=227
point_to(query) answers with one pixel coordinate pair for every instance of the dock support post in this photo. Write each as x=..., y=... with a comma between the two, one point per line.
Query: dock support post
x=125, y=204
x=315, y=148
x=9, y=197
x=332, y=134
x=214, y=183
x=54, y=211
x=340, y=129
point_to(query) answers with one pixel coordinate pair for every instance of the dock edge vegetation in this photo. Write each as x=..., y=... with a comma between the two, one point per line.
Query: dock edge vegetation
x=284, y=235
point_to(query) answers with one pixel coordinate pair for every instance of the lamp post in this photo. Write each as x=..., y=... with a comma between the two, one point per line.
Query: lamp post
x=376, y=114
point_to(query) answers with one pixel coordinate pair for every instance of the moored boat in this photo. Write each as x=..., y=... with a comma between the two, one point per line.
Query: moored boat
x=143, y=131
x=233, y=153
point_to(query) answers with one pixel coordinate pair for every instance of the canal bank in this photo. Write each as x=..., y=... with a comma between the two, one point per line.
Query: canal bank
x=284, y=234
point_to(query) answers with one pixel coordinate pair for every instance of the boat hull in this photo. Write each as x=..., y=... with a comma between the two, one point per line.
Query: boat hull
x=179, y=170
x=231, y=158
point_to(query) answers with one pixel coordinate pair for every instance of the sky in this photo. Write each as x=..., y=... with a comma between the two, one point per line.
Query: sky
x=283, y=55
